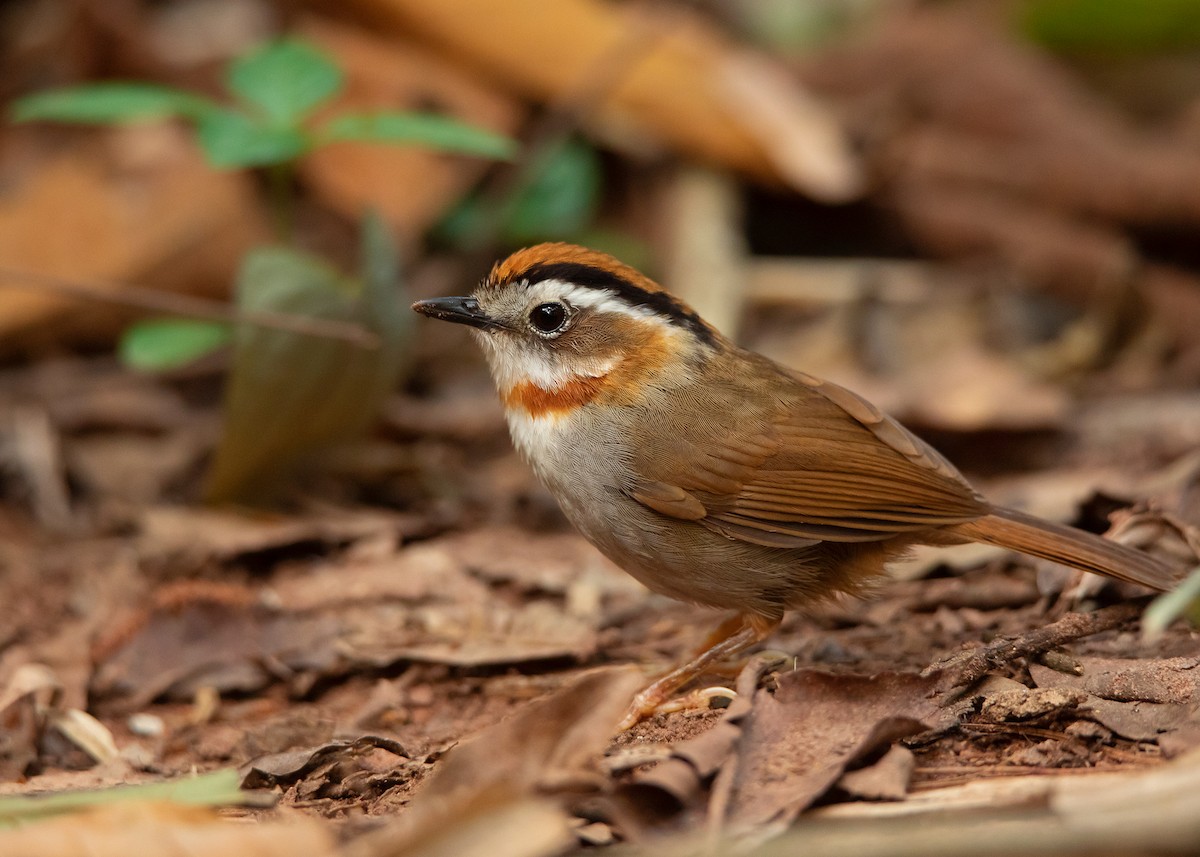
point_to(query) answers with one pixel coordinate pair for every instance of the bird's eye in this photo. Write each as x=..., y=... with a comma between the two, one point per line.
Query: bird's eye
x=548, y=317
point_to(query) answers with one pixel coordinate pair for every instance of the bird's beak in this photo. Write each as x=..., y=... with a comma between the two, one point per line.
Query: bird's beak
x=458, y=310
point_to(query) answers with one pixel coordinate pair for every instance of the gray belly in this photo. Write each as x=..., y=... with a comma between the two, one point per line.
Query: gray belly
x=585, y=466
x=684, y=560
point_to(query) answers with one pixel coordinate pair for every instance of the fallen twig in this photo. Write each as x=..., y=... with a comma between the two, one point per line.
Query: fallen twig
x=189, y=306
x=965, y=668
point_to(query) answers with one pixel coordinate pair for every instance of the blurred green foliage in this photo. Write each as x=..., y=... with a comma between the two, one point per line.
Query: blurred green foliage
x=160, y=344
x=1112, y=26
x=278, y=88
x=557, y=200
x=1183, y=602
x=290, y=395
x=217, y=788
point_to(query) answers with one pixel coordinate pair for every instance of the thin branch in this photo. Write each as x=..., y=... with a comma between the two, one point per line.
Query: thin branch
x=188, y=306
x=964, y=669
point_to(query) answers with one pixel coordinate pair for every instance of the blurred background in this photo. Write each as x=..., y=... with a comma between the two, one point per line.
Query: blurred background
x=981, y=215
x=214, y=213
x=978, y=214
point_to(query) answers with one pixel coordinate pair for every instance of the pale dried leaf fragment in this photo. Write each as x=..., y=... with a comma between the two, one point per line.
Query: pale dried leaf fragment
x=1065, y=816
x=166, y=830
x=87, y=733
x=492, y=825
x=675, y=97
x=1028, y=703
x=805, y=143
x=887, y=779
x=36, y=680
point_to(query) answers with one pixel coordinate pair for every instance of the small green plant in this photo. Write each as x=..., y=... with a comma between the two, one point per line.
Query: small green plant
x=556, y=198
x=288, y=395
x=277, y=89
x=270, y=123
x=216, y=788
x=1182, y=602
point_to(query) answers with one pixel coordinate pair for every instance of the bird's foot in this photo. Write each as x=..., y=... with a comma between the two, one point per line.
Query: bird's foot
x=737, y=638
x=649, y=703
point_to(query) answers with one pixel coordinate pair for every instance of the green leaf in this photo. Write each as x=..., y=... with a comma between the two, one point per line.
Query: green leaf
x=219, y=788
x=384, y=309
x=562, y=198
x=285, y=80
x=462, y=226
x=1116, y=26
x=231, y=139
x=1183, y=600
x=558, y=201
x=291, y=396
x=155, y=345
x=111, y=103
x=419, y=129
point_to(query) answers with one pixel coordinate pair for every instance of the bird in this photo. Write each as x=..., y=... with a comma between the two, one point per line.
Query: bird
x=711, y=473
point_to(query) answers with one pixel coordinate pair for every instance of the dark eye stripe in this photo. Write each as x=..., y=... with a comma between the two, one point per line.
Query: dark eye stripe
x=592, y=277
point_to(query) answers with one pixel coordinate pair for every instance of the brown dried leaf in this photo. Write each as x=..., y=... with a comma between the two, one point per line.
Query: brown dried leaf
x=111, y=211
x=799, y=741
x=285, y=768
x=666, y=98
x=490, y=634
x=423, y=573
x=1141, y=721
x=186, y=537
x=489, y=825
x=887, y=779
x=550, y=745
x=397, y=75
x=1138, y=700
x=675, y=782
x=245, y=645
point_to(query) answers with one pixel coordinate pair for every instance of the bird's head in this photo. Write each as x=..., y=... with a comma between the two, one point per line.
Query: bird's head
x=563, y=326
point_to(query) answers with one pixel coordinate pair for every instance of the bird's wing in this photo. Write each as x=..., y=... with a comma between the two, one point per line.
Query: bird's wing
x=812, y=462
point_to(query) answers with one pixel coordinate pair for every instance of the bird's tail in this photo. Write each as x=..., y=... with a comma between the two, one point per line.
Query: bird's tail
x=1017, y=531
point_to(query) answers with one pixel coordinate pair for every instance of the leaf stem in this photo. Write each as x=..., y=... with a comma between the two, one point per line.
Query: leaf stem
x=280, y=178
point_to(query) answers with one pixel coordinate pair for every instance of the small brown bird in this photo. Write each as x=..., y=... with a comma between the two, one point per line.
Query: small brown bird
x=710, y=473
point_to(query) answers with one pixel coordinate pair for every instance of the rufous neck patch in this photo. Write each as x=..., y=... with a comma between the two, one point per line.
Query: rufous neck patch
x=539, y=402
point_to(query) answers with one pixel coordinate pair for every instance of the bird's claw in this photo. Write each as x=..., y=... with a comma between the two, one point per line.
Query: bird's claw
x=649, y=703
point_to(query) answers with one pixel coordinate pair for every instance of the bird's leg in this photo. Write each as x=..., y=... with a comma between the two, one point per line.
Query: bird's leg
x=731, y=638
x=729, y=626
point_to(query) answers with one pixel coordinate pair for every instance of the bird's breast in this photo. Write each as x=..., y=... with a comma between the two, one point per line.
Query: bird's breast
x=539, y=403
